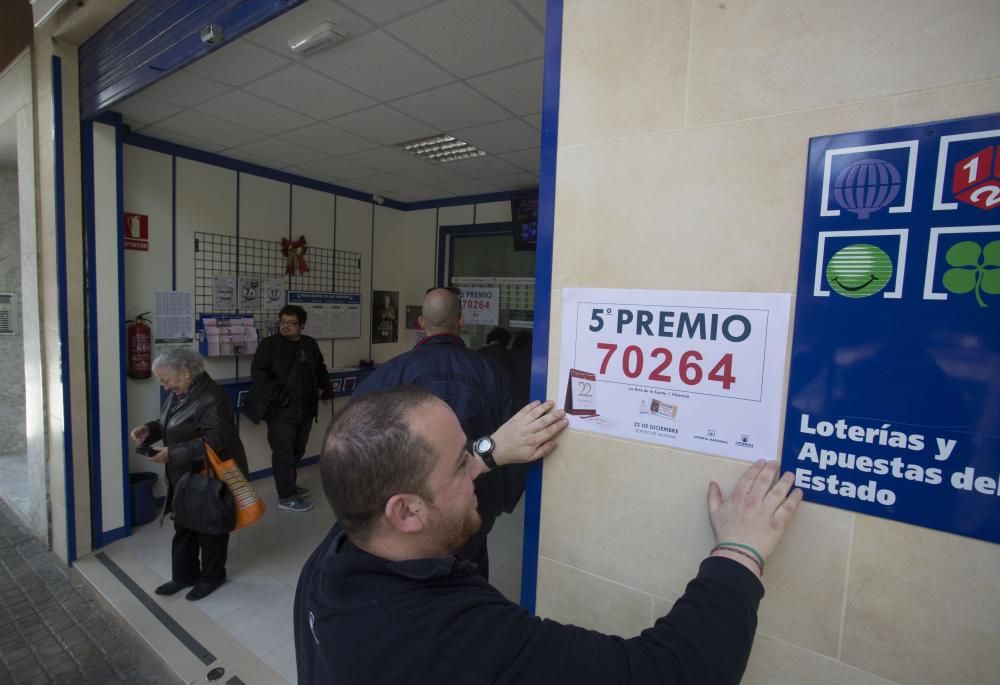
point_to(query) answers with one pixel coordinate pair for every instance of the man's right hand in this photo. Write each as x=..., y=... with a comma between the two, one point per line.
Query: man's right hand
x=139, y=434
x=756, y=512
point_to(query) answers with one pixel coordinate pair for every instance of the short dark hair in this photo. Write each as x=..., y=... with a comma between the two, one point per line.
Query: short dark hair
x=370, y=453
x=294, y=310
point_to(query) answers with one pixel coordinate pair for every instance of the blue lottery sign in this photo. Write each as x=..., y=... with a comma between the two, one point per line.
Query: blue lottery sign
x=894, y=393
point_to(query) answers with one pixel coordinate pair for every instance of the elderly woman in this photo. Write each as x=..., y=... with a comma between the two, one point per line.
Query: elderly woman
x=196, y=412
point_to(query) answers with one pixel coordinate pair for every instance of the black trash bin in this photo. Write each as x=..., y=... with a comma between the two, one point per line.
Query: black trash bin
x=143, y=500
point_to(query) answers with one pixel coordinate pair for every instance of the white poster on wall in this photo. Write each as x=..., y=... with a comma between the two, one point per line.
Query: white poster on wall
x=330, y=315
x=702, y=371
x=174, y=316
x=224, y=293
x=481, y=306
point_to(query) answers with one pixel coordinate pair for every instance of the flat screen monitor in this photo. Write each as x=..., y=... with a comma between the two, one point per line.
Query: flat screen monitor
x=524, y=216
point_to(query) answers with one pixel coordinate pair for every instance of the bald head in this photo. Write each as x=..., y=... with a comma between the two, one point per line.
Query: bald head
x=442, y=312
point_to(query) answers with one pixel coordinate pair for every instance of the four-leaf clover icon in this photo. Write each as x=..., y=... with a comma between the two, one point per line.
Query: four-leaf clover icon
x=975, y=268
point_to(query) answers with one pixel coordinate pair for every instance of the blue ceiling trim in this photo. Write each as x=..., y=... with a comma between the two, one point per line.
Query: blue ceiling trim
x=168, y=148
x=151, y=39
x=157, y=145
x=466, y=200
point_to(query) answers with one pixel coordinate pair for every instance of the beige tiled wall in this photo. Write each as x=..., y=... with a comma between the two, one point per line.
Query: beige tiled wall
x=683, y=133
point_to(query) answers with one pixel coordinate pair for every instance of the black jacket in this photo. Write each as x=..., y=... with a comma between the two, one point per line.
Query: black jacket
x=273, y=364
x=478, y=391
x=202, y=414
x=360, y=619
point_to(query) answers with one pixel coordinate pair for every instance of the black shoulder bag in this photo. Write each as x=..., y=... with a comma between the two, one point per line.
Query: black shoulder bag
x=203, y=503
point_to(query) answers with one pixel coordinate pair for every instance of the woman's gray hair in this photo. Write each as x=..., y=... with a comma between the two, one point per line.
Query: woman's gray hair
x=178, y=359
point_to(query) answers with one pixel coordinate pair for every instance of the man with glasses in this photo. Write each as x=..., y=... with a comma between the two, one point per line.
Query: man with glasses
x=476, y=389
x=289, y=369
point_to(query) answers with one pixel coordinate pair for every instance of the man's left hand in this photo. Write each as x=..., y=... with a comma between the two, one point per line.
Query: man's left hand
x=528, y=435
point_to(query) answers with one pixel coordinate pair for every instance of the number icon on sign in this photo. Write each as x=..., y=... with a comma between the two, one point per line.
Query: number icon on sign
x=976, y=179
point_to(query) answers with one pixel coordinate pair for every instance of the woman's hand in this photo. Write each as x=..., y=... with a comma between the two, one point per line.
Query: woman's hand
x=162, y=456
x=139, y=434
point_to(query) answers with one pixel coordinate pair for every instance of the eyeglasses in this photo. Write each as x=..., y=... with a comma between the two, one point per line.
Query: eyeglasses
x=455, y=291
x=289, y=323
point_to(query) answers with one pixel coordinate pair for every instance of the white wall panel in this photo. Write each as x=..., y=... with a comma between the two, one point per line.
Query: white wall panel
x=110, y=448
x=206, y=202
x=354, y=234
x=147, y=189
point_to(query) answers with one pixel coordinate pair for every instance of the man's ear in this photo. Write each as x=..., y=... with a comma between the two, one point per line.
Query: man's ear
x=420, y=322
x=406, y=513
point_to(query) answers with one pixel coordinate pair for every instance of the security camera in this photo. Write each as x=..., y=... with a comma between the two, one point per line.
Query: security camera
x=212, y=34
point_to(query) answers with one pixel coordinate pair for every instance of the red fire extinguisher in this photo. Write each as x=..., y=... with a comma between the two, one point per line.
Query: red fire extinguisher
x=140, y=348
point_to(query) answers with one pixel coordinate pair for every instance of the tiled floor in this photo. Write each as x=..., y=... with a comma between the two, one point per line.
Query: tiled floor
x=255, y=606
x=54, y=629
x=14, y=480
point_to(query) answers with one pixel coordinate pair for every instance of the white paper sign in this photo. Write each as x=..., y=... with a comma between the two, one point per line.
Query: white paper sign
x=330, y=315
x=224, y=293
x=481, y=306
x=701, y=371
x=174, y=316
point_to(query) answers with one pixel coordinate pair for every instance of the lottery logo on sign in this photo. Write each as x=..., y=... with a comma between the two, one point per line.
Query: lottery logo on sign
x=859, y=270
x=976, y=179
x=868, y=180
x=974, y=269
x=867, y=186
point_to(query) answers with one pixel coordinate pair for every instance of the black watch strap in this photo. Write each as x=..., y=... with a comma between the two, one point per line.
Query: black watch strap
x=485, y=454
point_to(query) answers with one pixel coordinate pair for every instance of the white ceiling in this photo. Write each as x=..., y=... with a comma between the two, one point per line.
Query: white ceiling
x=408, y=69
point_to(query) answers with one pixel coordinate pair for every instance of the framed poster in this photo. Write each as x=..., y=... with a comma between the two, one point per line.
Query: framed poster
x=892, y=398
x=385, y=316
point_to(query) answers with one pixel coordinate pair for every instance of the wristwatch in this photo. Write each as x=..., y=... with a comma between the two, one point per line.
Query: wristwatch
x=483, y=448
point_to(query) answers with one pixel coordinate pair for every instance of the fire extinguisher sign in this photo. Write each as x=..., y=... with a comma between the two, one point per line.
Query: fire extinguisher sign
x=136, y=231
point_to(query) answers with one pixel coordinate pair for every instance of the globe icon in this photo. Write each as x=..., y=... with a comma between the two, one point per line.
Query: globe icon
x=866, y=186
x=859, y=270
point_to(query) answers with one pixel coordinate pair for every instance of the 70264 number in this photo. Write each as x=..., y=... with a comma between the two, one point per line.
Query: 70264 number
x=689, y=367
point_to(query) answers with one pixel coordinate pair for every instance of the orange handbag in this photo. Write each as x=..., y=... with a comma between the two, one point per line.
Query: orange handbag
x=249, y=506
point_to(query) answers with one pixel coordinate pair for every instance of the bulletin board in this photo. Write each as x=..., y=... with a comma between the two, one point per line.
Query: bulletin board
x=330, y=271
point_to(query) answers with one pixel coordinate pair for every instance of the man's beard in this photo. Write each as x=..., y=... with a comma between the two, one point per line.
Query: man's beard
x=453, y=535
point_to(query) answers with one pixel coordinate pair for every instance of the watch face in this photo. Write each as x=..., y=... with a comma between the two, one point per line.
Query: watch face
x=484, y=445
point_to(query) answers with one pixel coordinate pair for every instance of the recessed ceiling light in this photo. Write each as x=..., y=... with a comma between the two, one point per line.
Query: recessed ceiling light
x=316, y=38
x=441, y=148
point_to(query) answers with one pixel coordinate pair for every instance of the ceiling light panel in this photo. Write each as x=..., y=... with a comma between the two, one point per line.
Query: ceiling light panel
x=441, y=149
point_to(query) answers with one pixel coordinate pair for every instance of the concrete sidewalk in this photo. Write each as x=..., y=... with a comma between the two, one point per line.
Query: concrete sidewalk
x=53, y=626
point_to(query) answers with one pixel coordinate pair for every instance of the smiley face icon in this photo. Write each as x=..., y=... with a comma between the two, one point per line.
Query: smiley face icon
x=859, y=270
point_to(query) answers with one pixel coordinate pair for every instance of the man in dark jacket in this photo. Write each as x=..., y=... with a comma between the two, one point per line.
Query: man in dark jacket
x=288, y=368
x=476, y=389
x=383, y=599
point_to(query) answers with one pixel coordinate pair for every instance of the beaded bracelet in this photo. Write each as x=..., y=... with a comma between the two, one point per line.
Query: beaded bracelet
x=755, y=553
x=741, y=552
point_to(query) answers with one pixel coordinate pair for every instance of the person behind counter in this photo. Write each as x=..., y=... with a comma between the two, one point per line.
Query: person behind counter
x=197, y=411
